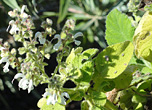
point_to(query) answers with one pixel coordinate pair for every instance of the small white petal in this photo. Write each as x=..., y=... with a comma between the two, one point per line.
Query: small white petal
x=8, y=28
x=24, y=16
x=6, y=69
x=46, y=94
x=1, y=48
x=23, y=83
x=57, y=36
x=18, y=75
x=10, y=13
x=78, y=34
x=14, y=29
x=55, y=97
x=58, y=44
x=11, y=22
x=63, y=102
x=4, y=59
x=38, y=34
x=23, y=8
x=30, y=86
x=51, y=100
x=66, y=94
x=42, y=40
x=77, y=42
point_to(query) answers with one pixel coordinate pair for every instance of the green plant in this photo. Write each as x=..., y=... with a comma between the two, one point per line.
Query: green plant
x=119, y=77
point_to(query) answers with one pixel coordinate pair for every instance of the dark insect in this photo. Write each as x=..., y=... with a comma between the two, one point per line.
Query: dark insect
x=143, y=3
x=106, y=58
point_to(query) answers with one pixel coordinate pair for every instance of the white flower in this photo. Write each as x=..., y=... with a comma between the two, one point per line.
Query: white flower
x=75, y=36
x=40, y=37
x=63, y=100
x=5, y=68
x=14, y=29
x=24, y=83
x=12, y=13
x=52, y=99
x=23, y=14
x=58, y=44
x=4, y=60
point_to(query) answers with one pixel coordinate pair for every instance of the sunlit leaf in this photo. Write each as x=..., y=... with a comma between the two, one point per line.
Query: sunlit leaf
x=42, y=104
x=113, y=60
x=12, y=3
x=143, y=38
x=139, y=98
x=124, y=80
x=84, y=105
x=118, y=28
x=97, y=98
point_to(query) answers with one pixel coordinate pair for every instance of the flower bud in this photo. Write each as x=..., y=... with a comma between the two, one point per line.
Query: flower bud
x=49, y=21
x=13, y=51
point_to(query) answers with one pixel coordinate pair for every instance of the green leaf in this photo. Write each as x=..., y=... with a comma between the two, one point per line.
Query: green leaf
x=72, y=54
x=64, y=4
x=138, y=99
x=78, y=50
x=22, y=50
x=90, y=35
x=102, y=84
x=80, y=16
x=124, y=98
x=79, y=71
x=143, y=38
x=89, y=53
x=76, y=94
x=113, y=60
x=147, y=63
x=70, y=57
x=86, y=72
x=97, y=98
x=118, y=28
x=146, y=70
x=12, y=3
x=48, y=14
x=139, y=107
x=144, y=85
x=42, y=104
x=84, y=105
x=124, y=80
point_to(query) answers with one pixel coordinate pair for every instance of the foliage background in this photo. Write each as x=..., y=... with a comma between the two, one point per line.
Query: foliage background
x=90, y=18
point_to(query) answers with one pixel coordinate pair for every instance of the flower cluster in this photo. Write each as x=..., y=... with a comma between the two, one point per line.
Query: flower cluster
x=4, y=59
x=6, y=56
x=24, y=83
x=31, y=71
x=52, y=96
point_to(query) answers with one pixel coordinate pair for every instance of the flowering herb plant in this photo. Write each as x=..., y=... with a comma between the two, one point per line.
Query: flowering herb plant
x=111, y=79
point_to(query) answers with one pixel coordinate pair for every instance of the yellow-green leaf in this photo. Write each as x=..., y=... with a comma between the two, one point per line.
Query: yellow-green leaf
x=143, y=38
x=113, y=60
x=42, y=104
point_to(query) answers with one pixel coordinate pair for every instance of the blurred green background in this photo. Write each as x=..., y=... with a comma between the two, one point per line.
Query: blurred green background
x=90, y=16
